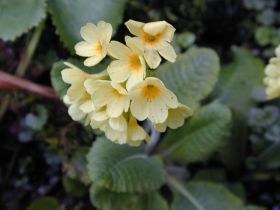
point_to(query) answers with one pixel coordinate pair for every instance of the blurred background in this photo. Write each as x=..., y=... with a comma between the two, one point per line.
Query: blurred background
x=42, y=151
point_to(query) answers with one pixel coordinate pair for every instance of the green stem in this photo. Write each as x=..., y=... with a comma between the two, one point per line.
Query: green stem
x=25, y=60
x=23, y=64
x=176, y=185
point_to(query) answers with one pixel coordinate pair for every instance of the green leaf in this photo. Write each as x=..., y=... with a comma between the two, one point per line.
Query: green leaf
x=121, y=168
x=238, y=83
x=239, y=80
x=45, y=203
x=105, y=199
x=69, y=16
x=201, y=136
x=209, y=196
x=59, y=86
x=193, y=76
x=151, y=201
x=74, y=186
x=17, y=17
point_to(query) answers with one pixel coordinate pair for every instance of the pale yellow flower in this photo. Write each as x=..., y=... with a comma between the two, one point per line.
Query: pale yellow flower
x=151, y=99
x=97, y=38
x=120, y=131
x=130, y=65
x=156, y=37
x=76, y=78
x=175, y=119
x=135, y=133
x=272, y=76
x=109, y=94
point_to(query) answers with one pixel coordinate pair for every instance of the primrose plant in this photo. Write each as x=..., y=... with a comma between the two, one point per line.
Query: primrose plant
x=115, y=99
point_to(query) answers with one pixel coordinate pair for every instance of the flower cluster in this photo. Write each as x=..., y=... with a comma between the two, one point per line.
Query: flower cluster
x=272, y=76
x=120, y=96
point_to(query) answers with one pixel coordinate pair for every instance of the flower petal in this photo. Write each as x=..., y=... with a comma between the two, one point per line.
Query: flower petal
x=139, y=108
x=92, y=61
x=158, y=111
x=118, y=50
x=105, y=30
x=71, y=76
x=118, y=123
x=87, y=106
x=117, y=106
x=167, y=51
x=154, y=28
x=75, y=113
x=135, y=44
x=118, y=71
x=134, y=27
x=152, y=57
x=89, y=32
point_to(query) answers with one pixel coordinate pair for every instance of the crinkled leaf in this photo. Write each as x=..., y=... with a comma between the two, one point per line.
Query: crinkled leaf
x=17, y=17
x=193, y=76
x=69, y=16
x=105, y=199
x=121, y=168
x=201, y=136
x=209, y=196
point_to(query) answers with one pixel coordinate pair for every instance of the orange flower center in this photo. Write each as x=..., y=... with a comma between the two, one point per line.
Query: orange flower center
x=117, y=93
x=150, y=92
x=151, y=39
x=98, y=48
x=134, y=62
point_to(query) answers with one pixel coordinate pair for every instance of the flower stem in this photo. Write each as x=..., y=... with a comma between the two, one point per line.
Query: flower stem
x=176, y=185
x=23, y=64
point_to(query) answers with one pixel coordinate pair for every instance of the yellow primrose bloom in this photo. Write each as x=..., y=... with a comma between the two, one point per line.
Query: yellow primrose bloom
x=135, y=133
x=120, y=131
x=151, y=99
x=130, y=65
x=76, y=77
x=156, y=37
x=272, y=76
x=109, y=94
x=97, y=38
x=175, y=119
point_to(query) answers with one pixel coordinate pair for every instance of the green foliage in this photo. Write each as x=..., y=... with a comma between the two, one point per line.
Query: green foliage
x=209, y=196
x=74, y=186
x=267, y=36
x=201, y=136
x=69, y=16
x=17, y=17
x=239, y=79
x=107, y=200
x=120, y=167
x=45, y=203
x=193, y=76
x=56, y=78
x=237, y=84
